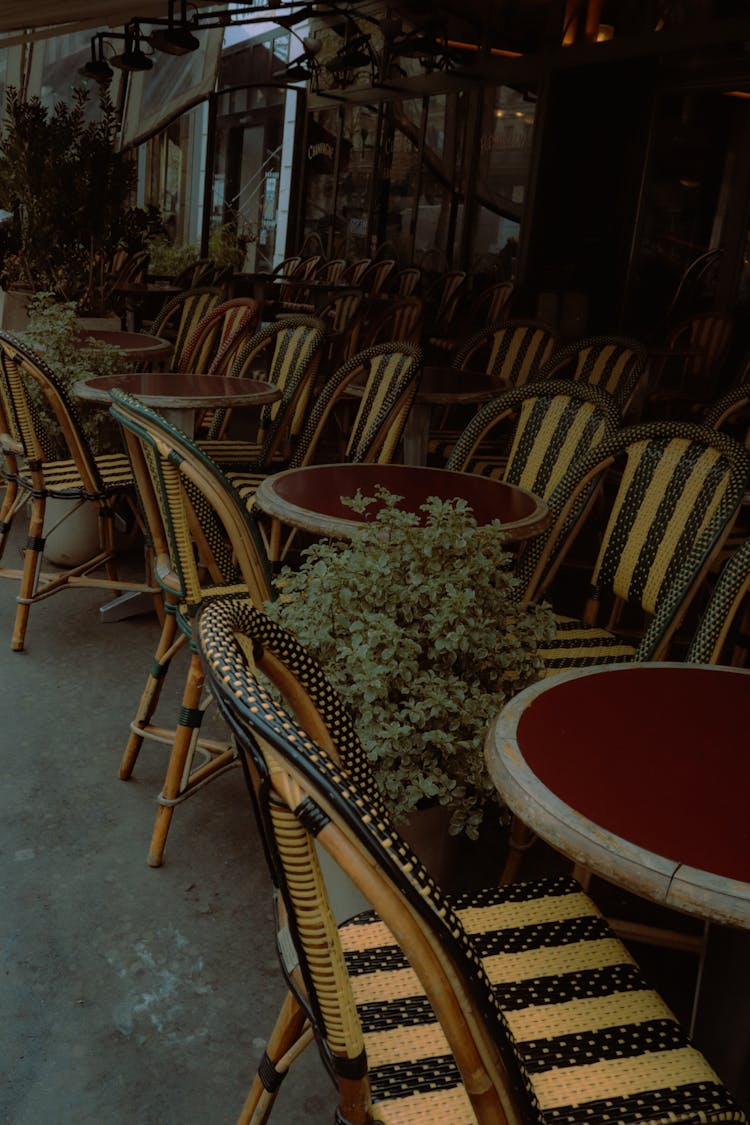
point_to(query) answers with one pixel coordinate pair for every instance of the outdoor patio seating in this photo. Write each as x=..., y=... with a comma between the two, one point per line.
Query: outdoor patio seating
x=479, y=1008
x=181, y=315
x=512, y=352
x=204, y=544
x=617, y=364
x=723, y=632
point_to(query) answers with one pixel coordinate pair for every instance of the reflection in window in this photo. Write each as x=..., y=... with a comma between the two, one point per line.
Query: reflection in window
x=502, y=177
x=63, y=56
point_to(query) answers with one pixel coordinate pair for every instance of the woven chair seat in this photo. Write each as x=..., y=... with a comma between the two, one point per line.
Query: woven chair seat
x=593, y=1041
x=63, y=479
x=576, y=645
x=228, y=451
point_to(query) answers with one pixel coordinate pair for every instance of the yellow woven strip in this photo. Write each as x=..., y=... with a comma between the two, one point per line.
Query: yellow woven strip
x=395, y=985
x=512, y=915
x=676, y=527
x=370, y=936
x=576, y=957
x=626, y=484
x=442, y=1106
x=589, y=1014
x=622, y=1077
x=420, y=1041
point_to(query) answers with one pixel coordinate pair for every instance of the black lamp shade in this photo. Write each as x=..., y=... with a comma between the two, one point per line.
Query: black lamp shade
x=174, y=40
x=135, y=59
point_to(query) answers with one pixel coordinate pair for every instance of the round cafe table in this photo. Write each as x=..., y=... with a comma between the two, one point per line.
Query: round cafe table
x=640, y=773
x=179, y=396
x=137, y=346
x=310, y=498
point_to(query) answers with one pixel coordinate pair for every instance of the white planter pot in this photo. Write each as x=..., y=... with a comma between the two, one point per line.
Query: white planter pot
x=71, y=534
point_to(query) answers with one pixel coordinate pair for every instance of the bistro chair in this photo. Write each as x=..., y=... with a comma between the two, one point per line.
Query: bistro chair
x=331, y=270
x=353, y=273
x=399, y=318
x=35, y=472
x=512, y=353
x=490, y=306
x=617, y=364
x=180, y=317
x=374, y=279
x=514, y=1004
x=538, y=431
x=731, y=413
x=667, y=495
x=204, y=544
x=723, y=632
x=286, y=353
x=389, y=375
x=408, y=281
x=687, y=371
x=215, y=336
x=342, y=316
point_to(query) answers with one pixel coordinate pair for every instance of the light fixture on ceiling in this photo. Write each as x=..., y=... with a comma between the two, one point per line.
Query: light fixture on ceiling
x=306, y=67
x=132, y=58
x=97, y=67
x=175, y=38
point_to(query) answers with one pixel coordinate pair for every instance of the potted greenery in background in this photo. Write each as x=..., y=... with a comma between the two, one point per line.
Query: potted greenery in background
x=54, y=331
x=417, y=623
x=66, y=189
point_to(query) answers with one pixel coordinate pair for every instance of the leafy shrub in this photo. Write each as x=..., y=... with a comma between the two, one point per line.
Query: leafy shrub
x=418, y=624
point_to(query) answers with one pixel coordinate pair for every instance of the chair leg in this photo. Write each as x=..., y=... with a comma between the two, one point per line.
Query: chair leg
x=32, y=562
x=519, y=841
x=288, y=1040
x=181, y=780
x=149, y=701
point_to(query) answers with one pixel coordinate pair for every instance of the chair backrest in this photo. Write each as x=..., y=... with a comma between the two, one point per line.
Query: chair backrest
x=400, y=319
x=201, y=532
x=25, y=381
x=287, y=353
x=181, y=315
x=673, y=491
x=449, y=291
x=614, y=363
x=389, y=374
x=731, y=413
x=512, y=352
x=541, y=428
x=408, y=281
x=211, y=342
x=330, y=270
x=313, y=244
x=374, y=278
x=490, y=306
x=132, y=268
x=198, y=273
x=725, y=621
x=311, y=760
x=709, y=335
x=352, y=275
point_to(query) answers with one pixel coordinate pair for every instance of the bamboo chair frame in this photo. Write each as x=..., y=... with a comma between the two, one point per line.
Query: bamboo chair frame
x=204, y=543
x=33, y=473
x=617, y=364
x=515, y=350
x=180, y=316
x=723, y=632
x=309, y=781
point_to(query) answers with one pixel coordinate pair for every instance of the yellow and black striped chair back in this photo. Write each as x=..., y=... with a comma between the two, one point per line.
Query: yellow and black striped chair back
x=352, y=275
x=512, y=1004
x=331, y=270
x=614, y=363
x=677, y=492
x=181, y=315
x=490, y=306
x=286, y=353
x=408, y=281
x=191, y=510
x=723, y=632
x=216, y=334
x=540, y=429
x=376, y=276
x=512, y=352
x=710, y=334
x=390, y=374
x=401, y=319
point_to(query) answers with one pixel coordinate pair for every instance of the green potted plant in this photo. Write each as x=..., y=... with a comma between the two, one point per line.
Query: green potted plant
x=418, y=624
x=66, y=191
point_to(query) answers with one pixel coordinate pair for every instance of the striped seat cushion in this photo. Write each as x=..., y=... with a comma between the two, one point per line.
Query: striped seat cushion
x=62, y=478
x=594, y=1043
x=577, y=646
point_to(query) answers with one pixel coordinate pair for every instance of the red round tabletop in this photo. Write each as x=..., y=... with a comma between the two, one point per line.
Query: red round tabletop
x=640, y=772
x=164, y=389
x=311, y=497
x=136, y=345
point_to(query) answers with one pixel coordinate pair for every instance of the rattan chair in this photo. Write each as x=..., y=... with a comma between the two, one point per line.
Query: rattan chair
x=515, y=1004
x=389, y=375
x=204, y=543
x=398, y=318
x=668, y=495
x=687, y=372
x=286, y=353
x=180, y=317
x=35, y=472
x=209, y=348
x=512, y=352
x=723, y=632
x=539, y=430
x=617, y=364
x=490, y=306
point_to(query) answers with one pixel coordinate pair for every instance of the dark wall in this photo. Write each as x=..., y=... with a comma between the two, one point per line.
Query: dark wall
x=593, y=149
